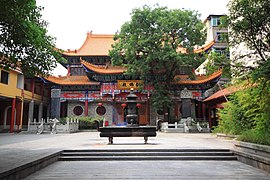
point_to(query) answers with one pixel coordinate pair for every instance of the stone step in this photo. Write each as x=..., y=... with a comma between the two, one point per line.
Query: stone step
x=137, y=158
x=173, y=130
x=147, y=150
x=146, y=154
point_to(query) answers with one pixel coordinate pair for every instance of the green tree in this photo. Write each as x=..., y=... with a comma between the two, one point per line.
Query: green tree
x=249, y=22
x=217, y=61
x=247, y=114
x=24, y=39
x=155, y=44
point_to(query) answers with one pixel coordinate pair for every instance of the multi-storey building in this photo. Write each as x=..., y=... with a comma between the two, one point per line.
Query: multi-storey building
x=21, y=100
x=217, y=37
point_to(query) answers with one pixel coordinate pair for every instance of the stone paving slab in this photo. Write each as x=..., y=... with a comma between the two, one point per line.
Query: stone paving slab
x=19, y=149
x=195, y=170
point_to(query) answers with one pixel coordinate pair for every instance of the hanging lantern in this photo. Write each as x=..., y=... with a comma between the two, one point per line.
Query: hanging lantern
x=99, y=104
x=138, y=105
x=124, y=105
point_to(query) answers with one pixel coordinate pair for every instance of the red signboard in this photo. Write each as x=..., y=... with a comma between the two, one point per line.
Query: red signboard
x=72, y=95
x=196, y=94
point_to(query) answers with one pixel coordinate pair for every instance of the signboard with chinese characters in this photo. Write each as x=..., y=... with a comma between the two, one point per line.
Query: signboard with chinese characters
x=128, y=84
x=80, y=95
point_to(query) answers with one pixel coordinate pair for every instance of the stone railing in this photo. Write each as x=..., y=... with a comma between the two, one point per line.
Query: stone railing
x=255, y=155
x=71, y=126
x=53, y=126
x=186, y=125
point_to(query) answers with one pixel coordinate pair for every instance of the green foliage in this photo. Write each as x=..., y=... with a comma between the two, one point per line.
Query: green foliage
x=249, y=22
x=255, y=136
x=87, y=122
x=248, y=114
x=217, y=61
x=62, y=120
x=24, y=39
x=263, y=71
x=149, y=45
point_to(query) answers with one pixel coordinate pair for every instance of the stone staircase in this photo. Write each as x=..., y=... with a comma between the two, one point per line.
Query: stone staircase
x=147, y=154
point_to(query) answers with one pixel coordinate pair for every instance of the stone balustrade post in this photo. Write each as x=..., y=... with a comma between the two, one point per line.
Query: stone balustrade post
x=55, y=103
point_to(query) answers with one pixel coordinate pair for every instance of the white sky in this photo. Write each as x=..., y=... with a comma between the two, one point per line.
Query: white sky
x=69, y=20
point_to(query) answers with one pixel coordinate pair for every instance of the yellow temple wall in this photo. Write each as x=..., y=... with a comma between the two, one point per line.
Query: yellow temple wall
x=10, y=90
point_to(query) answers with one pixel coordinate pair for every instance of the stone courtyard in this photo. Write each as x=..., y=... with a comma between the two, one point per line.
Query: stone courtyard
x=17, y=150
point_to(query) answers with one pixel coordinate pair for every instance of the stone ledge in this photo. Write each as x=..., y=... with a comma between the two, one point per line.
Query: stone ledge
x=257, y=147
x=253, y=148
x=173, y=130
x=253, y=154
x=29, y=168
x=227, y=136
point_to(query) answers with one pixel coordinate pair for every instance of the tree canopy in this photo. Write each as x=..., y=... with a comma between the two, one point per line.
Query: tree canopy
x=156, y=43
x=248, y=111
x=249, y=22
x=23, y=38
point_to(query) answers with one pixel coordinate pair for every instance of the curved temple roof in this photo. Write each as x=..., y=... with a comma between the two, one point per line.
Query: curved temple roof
x=101, y=44
x=104, y=69
x=222, y=93
x=71, y=80
x=94, y=45
x=204, y=47
x=201, y=80
x=120, y=70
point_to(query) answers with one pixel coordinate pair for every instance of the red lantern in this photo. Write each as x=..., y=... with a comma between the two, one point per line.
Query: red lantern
x=138, y=105
x=124, y=105
x=99, y=104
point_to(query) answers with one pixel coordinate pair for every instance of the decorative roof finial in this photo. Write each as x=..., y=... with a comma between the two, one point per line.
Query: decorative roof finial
x=89, y=33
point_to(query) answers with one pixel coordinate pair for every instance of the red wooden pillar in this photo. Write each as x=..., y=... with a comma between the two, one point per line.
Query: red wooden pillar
x=86, y=104
x=12, y=115
x=203, y=110
x=209, y=116
x=176, y=111
x=19, y=113
x=86, y=107
x=147, y=112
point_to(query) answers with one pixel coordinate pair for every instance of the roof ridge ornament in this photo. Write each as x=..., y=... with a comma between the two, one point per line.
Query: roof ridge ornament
x=89, y=33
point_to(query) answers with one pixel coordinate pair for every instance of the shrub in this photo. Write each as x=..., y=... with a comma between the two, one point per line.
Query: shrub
x=248, y=114
x=87, y=122
x=62, y=120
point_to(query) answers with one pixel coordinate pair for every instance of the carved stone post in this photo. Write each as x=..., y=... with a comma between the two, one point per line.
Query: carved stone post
x=186, y=96
x=55, y=103
x=31, y=111
x=40, y=112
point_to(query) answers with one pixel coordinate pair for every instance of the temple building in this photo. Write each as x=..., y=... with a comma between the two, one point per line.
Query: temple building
x=22, y=100
x=95, y=88
x=215, y=102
